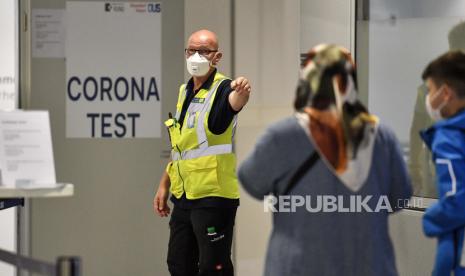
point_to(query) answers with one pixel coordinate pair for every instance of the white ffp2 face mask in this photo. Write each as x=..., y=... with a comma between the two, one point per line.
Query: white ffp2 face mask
x=197, y=65
x=434, y=113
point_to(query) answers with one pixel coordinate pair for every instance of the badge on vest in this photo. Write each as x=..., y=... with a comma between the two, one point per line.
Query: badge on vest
x=198, y=100
x=191, y=120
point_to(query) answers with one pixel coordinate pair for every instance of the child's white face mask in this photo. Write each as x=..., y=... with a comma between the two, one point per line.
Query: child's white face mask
x=435, y=113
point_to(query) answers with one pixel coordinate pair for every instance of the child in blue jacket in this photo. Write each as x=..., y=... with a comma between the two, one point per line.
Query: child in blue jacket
x=445, y=103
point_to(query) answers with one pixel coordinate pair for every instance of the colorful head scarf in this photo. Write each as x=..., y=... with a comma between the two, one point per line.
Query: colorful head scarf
x=327, y=94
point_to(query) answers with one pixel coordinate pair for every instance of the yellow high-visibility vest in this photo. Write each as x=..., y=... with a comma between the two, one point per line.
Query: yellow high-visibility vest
x=203, y=164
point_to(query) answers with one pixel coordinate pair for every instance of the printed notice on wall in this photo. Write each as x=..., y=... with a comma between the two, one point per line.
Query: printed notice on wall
x=48, y=33
x=26, y=156
x=113, y=67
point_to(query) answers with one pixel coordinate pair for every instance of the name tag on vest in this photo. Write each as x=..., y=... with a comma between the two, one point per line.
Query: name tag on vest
x=198, y=100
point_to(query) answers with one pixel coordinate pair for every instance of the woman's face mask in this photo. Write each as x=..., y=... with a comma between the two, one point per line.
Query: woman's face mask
x=197, y=65
x=435, y=113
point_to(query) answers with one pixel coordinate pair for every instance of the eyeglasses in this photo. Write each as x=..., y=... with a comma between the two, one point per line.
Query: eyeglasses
x=202, y=52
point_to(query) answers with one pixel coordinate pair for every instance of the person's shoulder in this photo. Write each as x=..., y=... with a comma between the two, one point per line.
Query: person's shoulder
x=189, y=82
x=449, y=139
x=448, y=132
x=225, y=86
x=288, y=130
x=283, y=125
x=285, y=135
x=386, y=138
x=385, y=132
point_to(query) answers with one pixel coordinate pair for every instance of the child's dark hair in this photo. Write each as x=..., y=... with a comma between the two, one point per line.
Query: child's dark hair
x=449, y=68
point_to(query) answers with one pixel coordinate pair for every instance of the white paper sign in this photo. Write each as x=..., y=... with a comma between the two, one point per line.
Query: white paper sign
x=48, y=33
x=113, y=66
x=26, y=156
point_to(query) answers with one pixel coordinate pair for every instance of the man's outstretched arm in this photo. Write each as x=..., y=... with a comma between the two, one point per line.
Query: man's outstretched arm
x=239, y=97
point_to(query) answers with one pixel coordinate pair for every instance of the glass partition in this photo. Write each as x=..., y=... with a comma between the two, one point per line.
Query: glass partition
x=9, y=49
x=8, y=54
x=395, y=40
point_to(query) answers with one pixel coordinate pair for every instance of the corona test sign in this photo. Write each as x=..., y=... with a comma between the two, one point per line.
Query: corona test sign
x=113, y=63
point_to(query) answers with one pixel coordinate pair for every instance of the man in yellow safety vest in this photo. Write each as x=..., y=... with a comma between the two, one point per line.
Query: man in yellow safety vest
x=202, y=173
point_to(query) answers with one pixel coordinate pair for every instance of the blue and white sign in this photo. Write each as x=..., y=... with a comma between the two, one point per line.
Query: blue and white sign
x=113, y=63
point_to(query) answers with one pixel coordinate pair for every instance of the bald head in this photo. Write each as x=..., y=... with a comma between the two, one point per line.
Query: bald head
x=203, y=38
x=204, y=41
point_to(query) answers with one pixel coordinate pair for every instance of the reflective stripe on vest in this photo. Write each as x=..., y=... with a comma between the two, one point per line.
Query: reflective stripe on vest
x=191, y=154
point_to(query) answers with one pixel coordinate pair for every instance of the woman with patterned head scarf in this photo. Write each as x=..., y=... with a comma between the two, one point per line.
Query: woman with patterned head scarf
x=336, y=174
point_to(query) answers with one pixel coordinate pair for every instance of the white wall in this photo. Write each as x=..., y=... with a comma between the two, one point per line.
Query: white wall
x=325, y=22
x=214, y=15
x=8, y=90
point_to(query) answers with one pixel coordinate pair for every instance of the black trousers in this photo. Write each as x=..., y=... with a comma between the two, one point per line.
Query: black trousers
x=200, y=242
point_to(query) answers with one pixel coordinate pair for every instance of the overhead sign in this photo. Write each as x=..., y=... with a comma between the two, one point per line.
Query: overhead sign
x=113, y=68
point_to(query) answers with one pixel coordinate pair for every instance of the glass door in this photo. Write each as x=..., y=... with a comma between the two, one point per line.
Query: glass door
x=395, y=40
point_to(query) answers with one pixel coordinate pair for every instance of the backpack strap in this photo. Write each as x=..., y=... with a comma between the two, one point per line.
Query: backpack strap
x=302, y=171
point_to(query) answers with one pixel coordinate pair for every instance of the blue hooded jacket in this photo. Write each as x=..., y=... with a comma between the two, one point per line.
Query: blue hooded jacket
x=446, y=219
